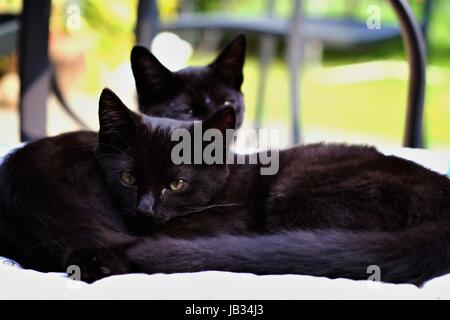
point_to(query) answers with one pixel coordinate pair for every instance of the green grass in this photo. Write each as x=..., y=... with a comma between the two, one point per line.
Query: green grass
x=370, y=108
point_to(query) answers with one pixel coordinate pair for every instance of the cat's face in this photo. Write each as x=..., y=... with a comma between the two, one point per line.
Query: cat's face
x=135, y=155
x=193, y=93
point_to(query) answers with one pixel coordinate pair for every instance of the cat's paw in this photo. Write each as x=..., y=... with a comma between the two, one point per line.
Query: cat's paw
x=96, y=264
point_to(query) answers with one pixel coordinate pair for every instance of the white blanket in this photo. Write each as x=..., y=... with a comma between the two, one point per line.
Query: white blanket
x=16, y=283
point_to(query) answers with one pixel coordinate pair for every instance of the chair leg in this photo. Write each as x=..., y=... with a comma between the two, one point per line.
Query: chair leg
x=34, y=69
x=294, y=73
x=417, y=60
x=294, y=56
x=267, y=49
x=147, y=23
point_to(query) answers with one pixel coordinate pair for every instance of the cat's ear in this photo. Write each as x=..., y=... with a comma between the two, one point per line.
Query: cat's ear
x=117, y=122
x=230, y=62
x=151, y=77
x=222, y=119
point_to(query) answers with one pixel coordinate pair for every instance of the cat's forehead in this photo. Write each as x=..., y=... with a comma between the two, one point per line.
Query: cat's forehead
x=154, y=137
x=202, y=85
x=164, y=124
x=196, y=78
x=193, y=73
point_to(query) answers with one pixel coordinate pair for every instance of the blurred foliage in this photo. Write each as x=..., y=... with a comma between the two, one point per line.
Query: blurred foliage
x=10, y=6
x=168, y=7
x=112, y=22
x=109, y=25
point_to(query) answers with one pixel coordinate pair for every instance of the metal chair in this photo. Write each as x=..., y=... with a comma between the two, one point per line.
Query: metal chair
x=337, y=33
x=29, y=32
x=9, y=27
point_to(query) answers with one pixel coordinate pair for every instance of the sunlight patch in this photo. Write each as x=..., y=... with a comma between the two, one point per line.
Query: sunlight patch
x=373, y=71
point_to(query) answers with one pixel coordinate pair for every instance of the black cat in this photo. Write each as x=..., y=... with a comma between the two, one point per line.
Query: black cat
x=192, y=93
x=331, y=210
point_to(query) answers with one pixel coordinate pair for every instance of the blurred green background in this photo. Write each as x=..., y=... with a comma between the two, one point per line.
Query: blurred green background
x=368, y=107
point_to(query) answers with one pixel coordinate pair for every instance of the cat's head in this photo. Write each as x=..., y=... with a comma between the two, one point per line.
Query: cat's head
x=193, y=93
x=134, y=152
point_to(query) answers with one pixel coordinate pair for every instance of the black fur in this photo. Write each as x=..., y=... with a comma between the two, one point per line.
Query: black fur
x=331, y=210
x=192, y=93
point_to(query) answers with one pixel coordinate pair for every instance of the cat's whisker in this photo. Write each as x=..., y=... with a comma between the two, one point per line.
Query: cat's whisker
x=215, y=206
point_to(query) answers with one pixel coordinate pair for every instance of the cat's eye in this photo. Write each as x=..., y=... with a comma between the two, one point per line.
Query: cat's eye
x=127, y=178
x=177, y=185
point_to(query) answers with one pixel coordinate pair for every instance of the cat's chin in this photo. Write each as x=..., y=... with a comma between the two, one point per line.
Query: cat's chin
x=159, y=221
x=150, y=218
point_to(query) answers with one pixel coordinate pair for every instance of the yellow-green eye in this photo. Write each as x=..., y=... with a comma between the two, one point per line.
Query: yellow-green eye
x=127, y=178
x=177, y=185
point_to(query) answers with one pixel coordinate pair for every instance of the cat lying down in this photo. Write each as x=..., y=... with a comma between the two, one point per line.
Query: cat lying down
x=114, y=203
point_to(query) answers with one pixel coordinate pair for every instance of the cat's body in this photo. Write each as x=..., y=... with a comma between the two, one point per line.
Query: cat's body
x=331, y=210
x=323, y=186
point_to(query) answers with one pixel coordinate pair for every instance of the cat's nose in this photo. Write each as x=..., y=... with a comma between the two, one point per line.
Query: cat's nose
x=146, y=204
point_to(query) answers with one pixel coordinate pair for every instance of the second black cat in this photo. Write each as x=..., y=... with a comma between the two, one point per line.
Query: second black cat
x=193, y=93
